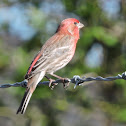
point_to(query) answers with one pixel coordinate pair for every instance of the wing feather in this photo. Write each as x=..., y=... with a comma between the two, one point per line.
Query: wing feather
x=56, y=46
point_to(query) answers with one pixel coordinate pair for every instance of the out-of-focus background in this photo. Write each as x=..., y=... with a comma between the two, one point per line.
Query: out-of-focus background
x=101, y=51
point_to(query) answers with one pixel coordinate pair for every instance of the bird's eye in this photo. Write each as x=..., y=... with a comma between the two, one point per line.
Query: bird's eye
x=75, y=23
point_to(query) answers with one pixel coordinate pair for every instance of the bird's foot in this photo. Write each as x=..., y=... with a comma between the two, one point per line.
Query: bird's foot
x=66, y=82
x=51, y=84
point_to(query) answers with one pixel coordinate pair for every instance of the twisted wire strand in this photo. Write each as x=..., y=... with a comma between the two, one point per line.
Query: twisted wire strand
x=75, y=80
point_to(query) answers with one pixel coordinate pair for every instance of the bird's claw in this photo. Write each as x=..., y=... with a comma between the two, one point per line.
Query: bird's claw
x=51, y=82
x=66, y=82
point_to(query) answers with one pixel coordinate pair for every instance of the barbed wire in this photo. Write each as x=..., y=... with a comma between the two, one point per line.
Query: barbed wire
x=77, y=80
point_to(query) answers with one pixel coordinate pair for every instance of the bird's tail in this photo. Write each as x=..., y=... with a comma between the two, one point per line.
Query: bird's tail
x=24, y=101
x=32, y=83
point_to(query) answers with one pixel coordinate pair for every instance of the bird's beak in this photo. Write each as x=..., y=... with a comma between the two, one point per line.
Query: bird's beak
x=80, y=25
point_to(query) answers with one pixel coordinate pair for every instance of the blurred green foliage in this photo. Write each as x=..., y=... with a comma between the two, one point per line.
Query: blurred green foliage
x=4, y=58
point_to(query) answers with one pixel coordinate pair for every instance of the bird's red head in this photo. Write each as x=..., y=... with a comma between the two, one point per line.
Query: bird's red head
x=70, y=26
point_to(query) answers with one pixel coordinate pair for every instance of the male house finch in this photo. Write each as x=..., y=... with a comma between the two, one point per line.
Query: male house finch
x=54, y=55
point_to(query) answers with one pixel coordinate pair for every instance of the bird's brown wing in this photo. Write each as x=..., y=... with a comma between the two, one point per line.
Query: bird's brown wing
x=56, y=46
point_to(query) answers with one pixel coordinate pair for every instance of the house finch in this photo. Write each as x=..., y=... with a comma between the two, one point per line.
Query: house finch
x=54, y=55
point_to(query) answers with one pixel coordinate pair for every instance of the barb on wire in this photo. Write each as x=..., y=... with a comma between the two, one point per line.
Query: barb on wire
x=75, y=80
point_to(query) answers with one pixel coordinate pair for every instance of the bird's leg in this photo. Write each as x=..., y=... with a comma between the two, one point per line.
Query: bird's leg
x=65, y=85
x=50, y=82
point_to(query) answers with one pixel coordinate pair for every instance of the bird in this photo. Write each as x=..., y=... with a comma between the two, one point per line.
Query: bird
x=55, y=54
